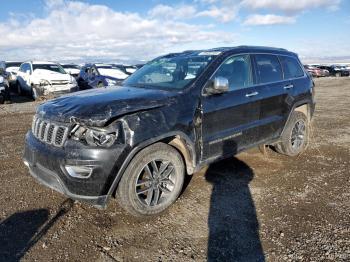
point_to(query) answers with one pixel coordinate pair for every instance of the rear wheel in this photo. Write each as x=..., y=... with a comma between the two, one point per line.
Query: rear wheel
x=295, y=137
x=152, y=181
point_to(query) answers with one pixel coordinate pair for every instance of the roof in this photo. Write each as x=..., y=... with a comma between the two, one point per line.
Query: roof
x=242, y=48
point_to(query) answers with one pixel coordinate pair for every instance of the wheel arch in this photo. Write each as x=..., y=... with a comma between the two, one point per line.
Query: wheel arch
x=303, y=106
x=179, y=140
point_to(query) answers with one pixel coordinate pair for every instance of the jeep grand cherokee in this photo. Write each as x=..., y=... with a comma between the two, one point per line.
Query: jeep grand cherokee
x=176, y=114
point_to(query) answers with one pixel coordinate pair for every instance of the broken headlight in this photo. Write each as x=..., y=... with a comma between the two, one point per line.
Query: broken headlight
x=98, y=138
x=94, y=137
x=44, y=82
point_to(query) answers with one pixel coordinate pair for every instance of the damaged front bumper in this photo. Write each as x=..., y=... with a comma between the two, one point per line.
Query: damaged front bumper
x=48, y=164
x=44, y=90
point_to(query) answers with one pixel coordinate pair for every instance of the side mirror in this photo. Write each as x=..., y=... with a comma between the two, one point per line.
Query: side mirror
x=220, y=85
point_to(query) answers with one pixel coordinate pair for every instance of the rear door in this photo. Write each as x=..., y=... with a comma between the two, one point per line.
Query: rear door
x=274, y=96
x=229, y=120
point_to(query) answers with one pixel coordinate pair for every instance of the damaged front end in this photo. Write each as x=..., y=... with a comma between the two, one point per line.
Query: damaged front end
x=53, y=88
x=77, y=160
x=81, y=157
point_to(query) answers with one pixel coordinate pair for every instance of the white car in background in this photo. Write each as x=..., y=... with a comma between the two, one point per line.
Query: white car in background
x=12, y=68
x=72, y=69
x=39, y=78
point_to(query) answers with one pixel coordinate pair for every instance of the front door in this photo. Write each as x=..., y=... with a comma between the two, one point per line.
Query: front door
x=229, y=120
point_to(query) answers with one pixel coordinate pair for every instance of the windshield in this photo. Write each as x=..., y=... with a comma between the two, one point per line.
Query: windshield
x=170, y=72
x=71, y=66
x=13, y=64
x=51, y=67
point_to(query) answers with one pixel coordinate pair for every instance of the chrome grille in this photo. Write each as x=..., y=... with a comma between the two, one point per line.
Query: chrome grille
x=49, y=132
x=59, y=82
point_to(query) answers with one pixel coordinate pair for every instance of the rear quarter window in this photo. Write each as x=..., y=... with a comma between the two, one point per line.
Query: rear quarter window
x=268, y=68
x=291, y=67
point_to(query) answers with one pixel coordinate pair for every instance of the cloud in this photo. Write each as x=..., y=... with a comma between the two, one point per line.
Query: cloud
x=173, y=12
x=269, y=19
x=74, y=30
x=290, y=5
x=222, y=14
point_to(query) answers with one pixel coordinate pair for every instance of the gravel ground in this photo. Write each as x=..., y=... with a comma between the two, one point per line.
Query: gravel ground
x=247, y=208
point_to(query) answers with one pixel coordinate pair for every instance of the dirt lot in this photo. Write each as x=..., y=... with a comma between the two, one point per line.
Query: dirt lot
x=248, y=208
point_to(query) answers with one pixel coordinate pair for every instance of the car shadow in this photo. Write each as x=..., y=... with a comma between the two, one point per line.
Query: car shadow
x=18, y=99
x=22, y=230
x=232, y=221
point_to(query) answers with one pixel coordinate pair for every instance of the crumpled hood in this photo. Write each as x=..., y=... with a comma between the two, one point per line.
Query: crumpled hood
x=50, y=75
x=95, y=107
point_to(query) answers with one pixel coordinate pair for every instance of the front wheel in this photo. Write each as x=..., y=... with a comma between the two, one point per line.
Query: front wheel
x=19, y=88
x=34, y=93
x=152, y=181
x=295, y=137
x=338, y=74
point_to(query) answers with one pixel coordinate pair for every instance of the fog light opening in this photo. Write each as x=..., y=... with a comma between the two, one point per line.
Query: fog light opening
x=79, y=171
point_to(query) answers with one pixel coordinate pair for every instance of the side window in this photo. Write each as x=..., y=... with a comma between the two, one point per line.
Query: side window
x=268, y=68
x=237, y=69
x=21, y=68
x=291, y=67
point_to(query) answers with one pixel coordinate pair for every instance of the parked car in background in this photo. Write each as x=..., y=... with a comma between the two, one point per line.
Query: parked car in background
x=4, y=84
x=313, y=71
x=38, y=78
x=12, y=68
x=324, y=72
x=177, y=114
x=335, y=70
x=130, y=69
x=126, y=69
x=100, y=75
x=138, y=66
x=72, y=69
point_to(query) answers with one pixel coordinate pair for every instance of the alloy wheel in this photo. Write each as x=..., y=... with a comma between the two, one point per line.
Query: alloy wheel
x=155, y=182
x=298, y=135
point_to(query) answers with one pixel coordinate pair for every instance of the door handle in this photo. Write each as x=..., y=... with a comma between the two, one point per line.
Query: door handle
x=252, y=94
x=288, y=87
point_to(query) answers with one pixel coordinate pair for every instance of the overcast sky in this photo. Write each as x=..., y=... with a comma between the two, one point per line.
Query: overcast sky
x=88, y=30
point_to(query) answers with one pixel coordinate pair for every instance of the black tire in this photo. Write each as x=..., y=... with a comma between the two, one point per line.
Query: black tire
x=33, y=93
x=19, y=89
x=129, y=194
x=338, y=74
x=294, y=143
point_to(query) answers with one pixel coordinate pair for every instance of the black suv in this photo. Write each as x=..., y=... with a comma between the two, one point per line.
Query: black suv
x=176, y=114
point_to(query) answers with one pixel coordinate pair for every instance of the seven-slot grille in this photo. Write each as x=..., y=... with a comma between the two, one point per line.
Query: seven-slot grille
x=48, y=132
